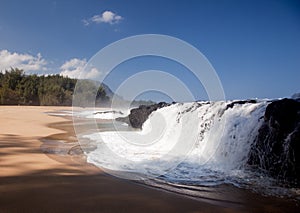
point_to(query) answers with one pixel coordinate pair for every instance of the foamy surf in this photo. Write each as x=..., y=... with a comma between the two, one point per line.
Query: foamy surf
x=190, y=144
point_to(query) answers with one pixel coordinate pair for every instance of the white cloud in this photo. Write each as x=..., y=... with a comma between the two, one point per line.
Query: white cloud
x=26, y=62
x=108, y=17
x=75, y=68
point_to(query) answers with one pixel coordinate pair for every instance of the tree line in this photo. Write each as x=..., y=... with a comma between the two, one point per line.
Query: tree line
x=17, y=88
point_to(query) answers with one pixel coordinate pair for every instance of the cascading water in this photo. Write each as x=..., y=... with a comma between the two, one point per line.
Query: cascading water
x=224, y=146
x=190, y=144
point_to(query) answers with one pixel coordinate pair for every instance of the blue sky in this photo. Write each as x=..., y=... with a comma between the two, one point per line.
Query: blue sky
x=254, y=46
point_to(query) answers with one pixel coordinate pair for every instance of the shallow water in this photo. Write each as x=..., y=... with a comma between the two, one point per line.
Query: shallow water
x=240, y=188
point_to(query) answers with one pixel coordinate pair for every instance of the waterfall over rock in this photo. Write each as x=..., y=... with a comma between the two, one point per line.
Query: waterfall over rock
x=277, y=145
x=252, y=144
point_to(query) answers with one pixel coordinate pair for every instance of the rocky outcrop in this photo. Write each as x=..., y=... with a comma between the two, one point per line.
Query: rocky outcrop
x=139, y=115
x=277, y=146
x=231, y=105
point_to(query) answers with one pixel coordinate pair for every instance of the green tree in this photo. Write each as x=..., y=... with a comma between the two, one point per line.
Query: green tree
x=18, y=88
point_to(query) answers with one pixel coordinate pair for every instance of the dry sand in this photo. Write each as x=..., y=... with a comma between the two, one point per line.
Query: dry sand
x=31, y=181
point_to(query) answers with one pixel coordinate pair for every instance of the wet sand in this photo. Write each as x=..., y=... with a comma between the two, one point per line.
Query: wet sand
x=32, y=181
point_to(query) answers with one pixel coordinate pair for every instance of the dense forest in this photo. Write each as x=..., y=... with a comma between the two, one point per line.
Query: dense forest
x=17, y=88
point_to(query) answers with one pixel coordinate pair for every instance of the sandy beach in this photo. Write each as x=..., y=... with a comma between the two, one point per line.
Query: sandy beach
x=32, y=181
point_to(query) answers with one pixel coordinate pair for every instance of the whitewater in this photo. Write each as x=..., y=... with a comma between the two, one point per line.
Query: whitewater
x=187, y=145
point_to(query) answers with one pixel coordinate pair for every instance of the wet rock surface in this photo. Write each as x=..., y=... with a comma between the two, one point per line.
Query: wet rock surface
x=139, y=115
x=277, y=146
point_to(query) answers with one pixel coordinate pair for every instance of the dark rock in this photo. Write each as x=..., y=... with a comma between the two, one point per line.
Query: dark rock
x=231, y=105
x=139, y=115
x=276, y=149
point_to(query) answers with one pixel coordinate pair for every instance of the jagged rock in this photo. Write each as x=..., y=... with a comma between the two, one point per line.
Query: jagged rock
x=240, y=102
x=277, y=146
x=139, y=115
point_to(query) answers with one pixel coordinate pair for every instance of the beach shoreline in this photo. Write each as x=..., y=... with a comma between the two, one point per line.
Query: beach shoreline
x=50, y=182
x=33, y=181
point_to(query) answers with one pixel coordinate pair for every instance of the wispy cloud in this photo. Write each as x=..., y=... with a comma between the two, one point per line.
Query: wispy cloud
x=75, y=68
x=107, y=16
x=26, y=62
